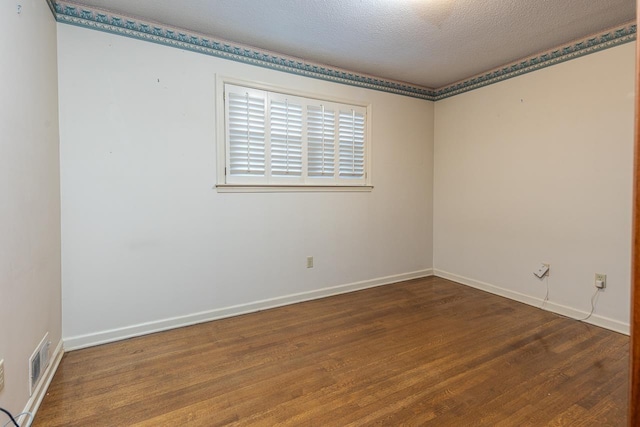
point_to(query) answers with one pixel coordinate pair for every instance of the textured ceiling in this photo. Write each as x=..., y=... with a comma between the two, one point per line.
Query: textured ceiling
x=431, y=43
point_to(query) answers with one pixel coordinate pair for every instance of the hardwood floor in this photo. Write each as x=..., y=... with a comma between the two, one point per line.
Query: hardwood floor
x=422, y=352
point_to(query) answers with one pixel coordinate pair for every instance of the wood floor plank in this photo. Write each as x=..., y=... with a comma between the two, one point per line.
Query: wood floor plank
x=422, y=352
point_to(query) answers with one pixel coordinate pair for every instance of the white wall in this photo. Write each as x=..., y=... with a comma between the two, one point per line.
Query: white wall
x=149, y=244
x=539, y=169
x=29, y=193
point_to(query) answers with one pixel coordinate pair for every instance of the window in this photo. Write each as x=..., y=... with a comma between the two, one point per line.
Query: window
x=282, y=140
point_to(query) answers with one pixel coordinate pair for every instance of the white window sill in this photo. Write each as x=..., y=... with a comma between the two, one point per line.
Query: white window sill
x=235, y=188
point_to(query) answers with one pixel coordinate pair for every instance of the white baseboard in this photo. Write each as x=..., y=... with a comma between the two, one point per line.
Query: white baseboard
x=103, y=337
x=41, y=390
x=597, y=320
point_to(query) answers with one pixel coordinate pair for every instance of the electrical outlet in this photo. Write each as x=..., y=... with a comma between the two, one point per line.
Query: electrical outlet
x=1, y=374
x=600, y=281
x=309, y=262
x=542, y=271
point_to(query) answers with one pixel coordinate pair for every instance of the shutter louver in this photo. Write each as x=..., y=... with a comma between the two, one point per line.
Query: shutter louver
x=286, y=139
x=321, y=141
x=246, y=127
x=351, y=144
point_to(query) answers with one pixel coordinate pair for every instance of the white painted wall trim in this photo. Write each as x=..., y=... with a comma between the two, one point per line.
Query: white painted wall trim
x=89, y=340
x=41, y=390
x=601, y=321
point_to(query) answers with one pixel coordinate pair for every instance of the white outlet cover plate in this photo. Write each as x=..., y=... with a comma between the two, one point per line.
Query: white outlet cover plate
x=1, y=374
x=541, y=271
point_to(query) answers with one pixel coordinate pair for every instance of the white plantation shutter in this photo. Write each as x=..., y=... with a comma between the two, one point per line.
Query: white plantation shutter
x=321, y=141
x=245, y=132
x=276, y=139
x=351, y=144
x=286, y=138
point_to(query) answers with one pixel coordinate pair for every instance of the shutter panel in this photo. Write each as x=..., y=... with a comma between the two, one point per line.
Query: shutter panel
x=321, y=141
x=351, y=144
x=286, y=138
x=246, y=132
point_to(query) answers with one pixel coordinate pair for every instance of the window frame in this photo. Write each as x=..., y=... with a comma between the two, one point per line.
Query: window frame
x=270, y=183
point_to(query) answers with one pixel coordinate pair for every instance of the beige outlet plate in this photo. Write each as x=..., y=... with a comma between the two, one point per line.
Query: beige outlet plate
x=1, y=374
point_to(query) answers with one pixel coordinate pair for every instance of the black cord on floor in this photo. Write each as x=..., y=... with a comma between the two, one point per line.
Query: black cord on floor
x=10, y=416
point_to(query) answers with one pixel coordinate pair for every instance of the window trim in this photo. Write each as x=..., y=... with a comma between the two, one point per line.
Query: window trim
x=221, y=143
